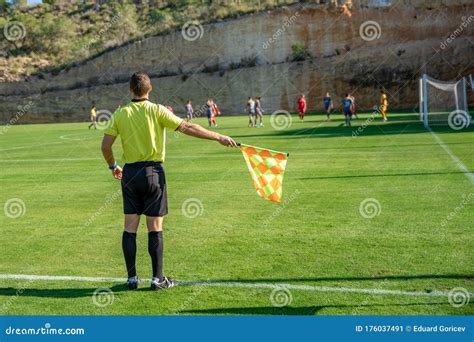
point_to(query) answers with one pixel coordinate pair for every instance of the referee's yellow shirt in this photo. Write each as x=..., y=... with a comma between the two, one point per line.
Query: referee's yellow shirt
x=141, y=126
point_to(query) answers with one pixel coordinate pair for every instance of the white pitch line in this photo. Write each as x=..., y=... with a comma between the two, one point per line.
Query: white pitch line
x=46, y=160
x=319, y=288
x=239, y=285
x=68, y=137
x=30, y=146
x=61, y=278
x=463, y=168
x=64, y=137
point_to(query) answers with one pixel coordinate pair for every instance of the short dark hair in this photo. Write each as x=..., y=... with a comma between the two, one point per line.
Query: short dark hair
x=140, y=84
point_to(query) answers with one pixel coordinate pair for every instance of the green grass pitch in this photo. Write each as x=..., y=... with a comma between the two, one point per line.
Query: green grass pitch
x=421, y=240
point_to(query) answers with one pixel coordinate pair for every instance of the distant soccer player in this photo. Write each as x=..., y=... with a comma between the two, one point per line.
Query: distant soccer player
x=383, y=105
x=142, y=126
x=93, y=117
x=258, y=111
x=301, y=106
x=251, y=111
x=209, y=105
x=189, y=111
x=328, y=105
x=353, y=106
x=215, y=112
x=346, y=107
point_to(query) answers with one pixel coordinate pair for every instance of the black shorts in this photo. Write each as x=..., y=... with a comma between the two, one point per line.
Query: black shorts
x=144, y=189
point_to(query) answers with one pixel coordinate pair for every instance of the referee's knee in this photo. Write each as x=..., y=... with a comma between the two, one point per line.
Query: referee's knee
x=154, y=223
x=131, y=223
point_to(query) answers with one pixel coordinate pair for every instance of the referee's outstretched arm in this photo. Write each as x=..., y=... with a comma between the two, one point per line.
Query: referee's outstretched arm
x=200, y=132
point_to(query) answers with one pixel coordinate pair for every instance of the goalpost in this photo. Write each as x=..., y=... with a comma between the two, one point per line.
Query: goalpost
x=443, y=103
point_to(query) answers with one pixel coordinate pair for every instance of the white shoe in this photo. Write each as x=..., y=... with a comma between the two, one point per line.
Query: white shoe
x=165, y=284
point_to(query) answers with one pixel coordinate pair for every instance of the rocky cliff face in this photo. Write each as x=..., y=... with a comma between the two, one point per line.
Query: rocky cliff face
x=358, y=48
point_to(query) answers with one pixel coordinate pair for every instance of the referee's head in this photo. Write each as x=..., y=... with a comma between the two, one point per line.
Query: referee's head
x=140, y=84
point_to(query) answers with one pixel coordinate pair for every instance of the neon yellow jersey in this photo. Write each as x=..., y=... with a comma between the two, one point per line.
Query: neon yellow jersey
x=383, y=100
x=93, y=113
x=141, y=126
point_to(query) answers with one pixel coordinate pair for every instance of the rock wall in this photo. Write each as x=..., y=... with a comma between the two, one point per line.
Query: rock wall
x=233, y=59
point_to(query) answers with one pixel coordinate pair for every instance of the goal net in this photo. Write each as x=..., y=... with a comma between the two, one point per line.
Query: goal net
x=444, y=103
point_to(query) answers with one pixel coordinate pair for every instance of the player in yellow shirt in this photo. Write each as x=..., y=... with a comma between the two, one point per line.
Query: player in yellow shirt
x=142, y=125
x=383, y=105
x=93, y=117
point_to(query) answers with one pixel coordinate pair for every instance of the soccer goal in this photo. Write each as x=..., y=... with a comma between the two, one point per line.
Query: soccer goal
x=444, y=103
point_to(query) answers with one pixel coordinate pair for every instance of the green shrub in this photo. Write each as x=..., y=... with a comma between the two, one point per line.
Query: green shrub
x=299, y=51
x=156, y=15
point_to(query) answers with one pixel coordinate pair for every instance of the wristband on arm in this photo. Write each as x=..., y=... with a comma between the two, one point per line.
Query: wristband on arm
x=114, y=166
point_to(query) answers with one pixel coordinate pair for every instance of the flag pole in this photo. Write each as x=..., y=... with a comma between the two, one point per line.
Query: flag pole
x=287, y=154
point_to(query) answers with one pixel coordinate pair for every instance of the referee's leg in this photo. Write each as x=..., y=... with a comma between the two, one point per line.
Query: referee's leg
x=155, y=245
x=155, y=249
x=129, y=244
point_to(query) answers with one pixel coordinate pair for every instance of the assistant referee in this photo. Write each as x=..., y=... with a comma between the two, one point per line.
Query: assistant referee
x=141, y=125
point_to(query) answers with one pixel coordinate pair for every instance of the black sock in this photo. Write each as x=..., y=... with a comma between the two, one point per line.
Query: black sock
x=155, y=249
x=129, y=247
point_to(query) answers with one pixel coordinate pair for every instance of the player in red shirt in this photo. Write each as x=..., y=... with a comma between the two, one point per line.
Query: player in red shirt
x=353, y=107
x=215, y=112
x=301, y=106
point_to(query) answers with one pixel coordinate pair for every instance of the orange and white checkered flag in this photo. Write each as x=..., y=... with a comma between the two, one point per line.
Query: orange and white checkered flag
x=267, y=168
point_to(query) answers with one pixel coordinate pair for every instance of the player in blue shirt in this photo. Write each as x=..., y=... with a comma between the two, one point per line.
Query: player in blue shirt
x=347, y=109
x=189, y=111
x=251, y=112
x=328, y=106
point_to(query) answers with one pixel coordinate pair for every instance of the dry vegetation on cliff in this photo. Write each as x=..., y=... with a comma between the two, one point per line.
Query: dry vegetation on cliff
x=57, y=35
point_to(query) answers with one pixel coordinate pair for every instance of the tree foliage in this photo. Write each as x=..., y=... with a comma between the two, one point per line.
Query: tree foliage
x=61, y=32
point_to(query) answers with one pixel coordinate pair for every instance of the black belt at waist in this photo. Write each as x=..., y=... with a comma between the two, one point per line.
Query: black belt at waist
x=143, y=164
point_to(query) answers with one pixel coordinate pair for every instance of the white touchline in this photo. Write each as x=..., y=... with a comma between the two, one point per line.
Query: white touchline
x=30, y=146
x=239, y=284
x=46, y=160
x=68, y=137
x=463, y=168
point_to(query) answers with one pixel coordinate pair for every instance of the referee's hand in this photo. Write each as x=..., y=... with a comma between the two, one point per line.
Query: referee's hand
x=227, y=141
x=117, y=173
